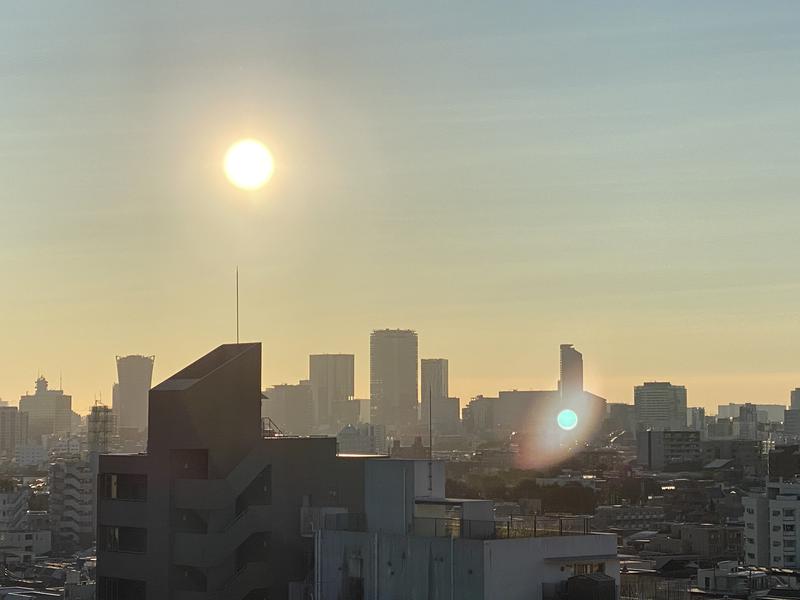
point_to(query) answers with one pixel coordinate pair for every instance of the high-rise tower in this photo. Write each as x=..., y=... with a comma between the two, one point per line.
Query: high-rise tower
x=135, y=375
x=570, y=382
x=659, y=405
x=331, y=377
x=393, y=377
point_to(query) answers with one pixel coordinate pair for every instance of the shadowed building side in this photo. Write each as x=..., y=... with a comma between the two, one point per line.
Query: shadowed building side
x=214, y=509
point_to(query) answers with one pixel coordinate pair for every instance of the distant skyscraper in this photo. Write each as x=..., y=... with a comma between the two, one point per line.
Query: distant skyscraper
x=393, y=377
x=435, y=384
x=795, y=399
x=660, y=406
x=332, y=388
x=13, y=430
x=696, y=418
x=289, y=406
x=49, y=411
x=748, y=422
x=135, y=375
x=571, y=375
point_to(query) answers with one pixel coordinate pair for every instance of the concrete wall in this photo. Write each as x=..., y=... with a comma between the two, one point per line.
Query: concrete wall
x=515, y=569
x=390, y=489
x=422, y=568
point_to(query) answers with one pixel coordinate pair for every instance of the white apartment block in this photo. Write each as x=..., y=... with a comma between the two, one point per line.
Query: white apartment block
x=772, y=526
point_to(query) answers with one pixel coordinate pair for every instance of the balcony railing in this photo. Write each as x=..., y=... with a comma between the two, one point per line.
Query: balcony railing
x=515, y=527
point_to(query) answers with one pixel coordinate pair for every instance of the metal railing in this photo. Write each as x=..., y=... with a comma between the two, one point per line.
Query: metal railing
x=513, y=527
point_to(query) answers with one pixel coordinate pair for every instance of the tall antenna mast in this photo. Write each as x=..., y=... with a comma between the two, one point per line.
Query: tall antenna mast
x=237, y=304
x=430, y=439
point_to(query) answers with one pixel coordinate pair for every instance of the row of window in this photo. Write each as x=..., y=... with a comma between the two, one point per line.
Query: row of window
x=122, y=539
x=789, y=558
x=787, y=512
x=123, y=486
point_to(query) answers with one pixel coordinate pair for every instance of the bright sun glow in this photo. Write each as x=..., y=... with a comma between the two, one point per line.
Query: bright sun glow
x=248, y=164
x=567, y=419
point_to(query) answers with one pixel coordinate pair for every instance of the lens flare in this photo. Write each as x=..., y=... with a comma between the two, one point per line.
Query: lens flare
x=567, y=419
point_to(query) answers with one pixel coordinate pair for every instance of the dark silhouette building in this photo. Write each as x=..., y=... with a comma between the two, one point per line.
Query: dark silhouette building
x=570, y=382
x=215, y=509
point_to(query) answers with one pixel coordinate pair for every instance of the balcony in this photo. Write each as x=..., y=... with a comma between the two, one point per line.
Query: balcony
x=253, y=576
x=211, y=549
x=216, y=494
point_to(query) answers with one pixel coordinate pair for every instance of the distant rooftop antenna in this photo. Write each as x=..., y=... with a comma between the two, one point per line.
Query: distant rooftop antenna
x=430, y=440
x=237, y=304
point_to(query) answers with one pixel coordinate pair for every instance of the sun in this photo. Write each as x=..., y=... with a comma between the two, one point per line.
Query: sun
x=248, y=164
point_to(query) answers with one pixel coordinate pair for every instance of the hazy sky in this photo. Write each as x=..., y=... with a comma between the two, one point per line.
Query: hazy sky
x=501, y=177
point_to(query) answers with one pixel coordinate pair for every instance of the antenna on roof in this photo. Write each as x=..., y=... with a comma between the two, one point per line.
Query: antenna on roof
x=430, y=439
x=237, y=304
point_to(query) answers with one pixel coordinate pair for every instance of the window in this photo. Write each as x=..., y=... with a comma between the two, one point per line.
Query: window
x=776, y=543
x=788, y=512
x=124, y=486
x=751, y=541
x=751, y=555
x=189, y=464
x=586, y=568
x=789, y=558
x=776, y=528
x=788, y=527
x=122, y=539
x=114, y=588
x=776, y=513
x=750, y=511
x=789, y=543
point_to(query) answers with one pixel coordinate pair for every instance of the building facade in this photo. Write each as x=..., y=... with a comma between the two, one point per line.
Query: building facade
x=659, y=450
x=49, y=412
x=290, y=407
x=332, y=377
x=413, y=542
x=13, y=430
x=772, y=526
x=134, y=377
x=72, y=503
x=434, y=385
x=101, y=425
x=660, y=405
x=214, y=509
x=393, y=377
x=570, y=382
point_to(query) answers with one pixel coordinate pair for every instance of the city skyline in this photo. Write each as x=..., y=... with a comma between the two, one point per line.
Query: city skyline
x=617, y=176
x=544, y=378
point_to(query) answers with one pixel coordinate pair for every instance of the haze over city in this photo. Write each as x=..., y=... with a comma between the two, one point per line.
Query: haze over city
x=619, y=176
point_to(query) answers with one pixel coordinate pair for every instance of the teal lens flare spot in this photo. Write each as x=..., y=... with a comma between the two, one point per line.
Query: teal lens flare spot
x=567, y=419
